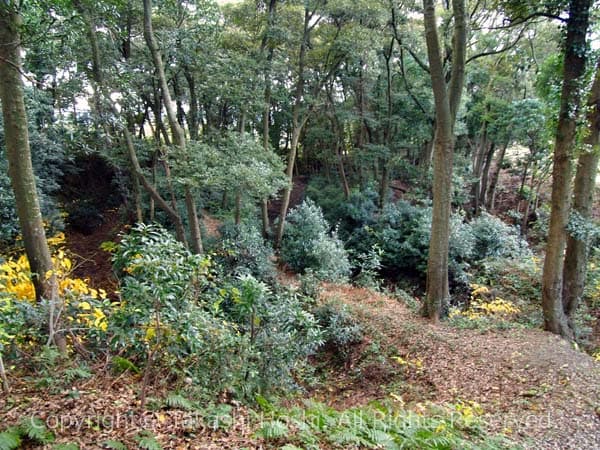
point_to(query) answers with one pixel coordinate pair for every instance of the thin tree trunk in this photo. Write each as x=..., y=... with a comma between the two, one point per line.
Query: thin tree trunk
x=297, y=125
x=583, y=200
x=3, y=377
x=486, y=173
x=20, y=170
x=176, y=130
x=193, y=115
x=491, y=191
x=555, y=319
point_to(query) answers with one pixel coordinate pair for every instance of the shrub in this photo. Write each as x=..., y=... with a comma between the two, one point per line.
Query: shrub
x=340, y=328
x=243, y=251
x=495, y=238
x=169, y=297
x=183, y=311
x=22, y=319
x=307, y=243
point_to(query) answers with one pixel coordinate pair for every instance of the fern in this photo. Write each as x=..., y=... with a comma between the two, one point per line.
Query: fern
x=147, y=441
x=114, y=445
x=177, y=401
x=10, y=439
x=273, y=429
x=121, y=365
x=77, y=373
x=36, y=430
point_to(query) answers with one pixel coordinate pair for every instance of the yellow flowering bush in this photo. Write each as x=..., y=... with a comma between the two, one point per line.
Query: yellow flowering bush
x=84, y=306
x=484, y=305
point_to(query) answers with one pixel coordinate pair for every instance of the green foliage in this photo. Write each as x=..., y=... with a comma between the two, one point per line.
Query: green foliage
x=172, y=306
x=243, y=251
x=368, y=266
x=48, y=159
x=147, y=441
x=225, y=332
x=121, y=365
x=494, y=238
x=273, y=429
x=381, y=425
x=307, y=243
x=236, y=162
x=10, y=439
x=178, y=401
x=340, y=328
x=114, y=445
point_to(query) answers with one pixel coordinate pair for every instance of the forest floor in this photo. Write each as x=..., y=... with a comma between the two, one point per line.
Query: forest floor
x=530, y=385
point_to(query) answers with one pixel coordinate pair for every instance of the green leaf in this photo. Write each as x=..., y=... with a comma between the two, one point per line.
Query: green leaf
x=273, y=429
x=114, y=445
x=177, y=401
x=121, y=365
x=147, y=441
x=10, y=439
x=36, y=430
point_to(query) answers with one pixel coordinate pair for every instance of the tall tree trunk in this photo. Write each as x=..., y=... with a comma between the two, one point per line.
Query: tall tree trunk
x=490, y=196
x=129, y=143
x=583, y=200
x=555, y=319
x=384, y=185
x=477, y=167
x=486, y=173
x=297, y=125
x=176, y=129
x=446, y=104
x=193, y=115
x=264, y=204
x=20, y=169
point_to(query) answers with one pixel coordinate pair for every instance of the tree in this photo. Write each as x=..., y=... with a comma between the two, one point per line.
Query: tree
x=578, y=244
x=555, y=319
x=447, y=100
x=20, y=169
x=176, y=129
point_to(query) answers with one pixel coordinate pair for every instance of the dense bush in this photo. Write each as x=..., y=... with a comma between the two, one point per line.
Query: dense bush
x=495, y=238
x=401, y=233
x=243, y=251
x=308, y=244
x=184, y=312
x=340, y=328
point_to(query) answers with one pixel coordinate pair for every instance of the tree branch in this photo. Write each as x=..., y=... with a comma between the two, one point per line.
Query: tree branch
x=502, y=50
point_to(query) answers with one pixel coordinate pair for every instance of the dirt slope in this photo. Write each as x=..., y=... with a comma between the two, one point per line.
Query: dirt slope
x=531, y=384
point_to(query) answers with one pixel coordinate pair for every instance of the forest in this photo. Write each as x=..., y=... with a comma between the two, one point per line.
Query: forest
x=299, y=224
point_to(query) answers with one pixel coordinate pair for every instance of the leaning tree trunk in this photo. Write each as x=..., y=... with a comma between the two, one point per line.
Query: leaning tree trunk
x=176, y=129
x=583, y=200
x=555, y=319
x=298, y=123
x=20, y=170
x=446, y=105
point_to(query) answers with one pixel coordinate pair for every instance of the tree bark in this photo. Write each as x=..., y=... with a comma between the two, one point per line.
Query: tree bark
x=446, y=104
x=176, y=129
x=490, y=196
x=20, y=169
x=583, y=200
x=555, y=319
x=297, y=125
